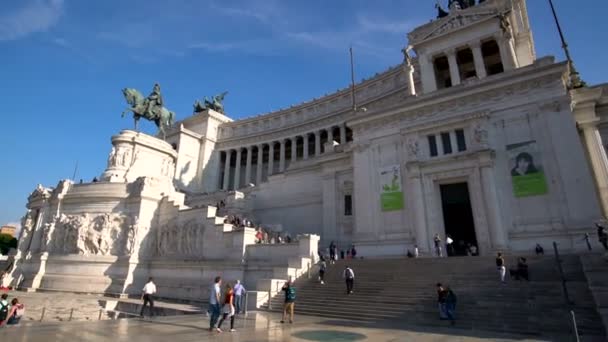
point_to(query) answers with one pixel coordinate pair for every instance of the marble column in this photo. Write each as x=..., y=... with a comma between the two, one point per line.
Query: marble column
x=305, y=142
x=237, y=170
x=227, y=170
x=317, y=143
x=343, y=134
x=330, y=135
x=282, y=156
x=258, y=174
x=294, y=149
x=248, y=166
x=507, y=54
x=599, y=161
x=496, y=228
x=419, y=211
x=427, y=73
x=454, y=71
x=270, y=158
x=480, y=67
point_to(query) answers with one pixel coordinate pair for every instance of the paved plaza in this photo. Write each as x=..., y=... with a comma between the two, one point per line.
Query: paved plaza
x=255, y=327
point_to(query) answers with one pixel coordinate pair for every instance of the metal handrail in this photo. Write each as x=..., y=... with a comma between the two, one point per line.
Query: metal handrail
x=574, y=325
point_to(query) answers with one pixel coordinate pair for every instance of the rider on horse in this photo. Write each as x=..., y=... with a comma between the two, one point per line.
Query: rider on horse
x=154, y=101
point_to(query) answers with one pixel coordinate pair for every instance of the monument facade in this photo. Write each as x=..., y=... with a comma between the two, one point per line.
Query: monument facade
x=473, y=137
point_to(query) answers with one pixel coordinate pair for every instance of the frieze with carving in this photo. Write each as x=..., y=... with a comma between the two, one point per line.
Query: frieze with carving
x=85, y=234
x=40, y=193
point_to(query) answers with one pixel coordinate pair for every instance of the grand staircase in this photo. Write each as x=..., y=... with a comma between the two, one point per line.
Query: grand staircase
x=403, y=290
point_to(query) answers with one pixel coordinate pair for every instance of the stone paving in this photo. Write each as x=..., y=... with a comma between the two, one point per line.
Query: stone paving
x=259, y=326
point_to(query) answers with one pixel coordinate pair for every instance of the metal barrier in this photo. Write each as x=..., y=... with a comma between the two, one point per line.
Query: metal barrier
x=561, y=274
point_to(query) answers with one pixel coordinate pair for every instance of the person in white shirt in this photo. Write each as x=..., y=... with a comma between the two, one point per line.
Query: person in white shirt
x=416, y=253
x=449, y=245
x=349, y=275
x=239, y=291
x=148, y=297
x=214, y=304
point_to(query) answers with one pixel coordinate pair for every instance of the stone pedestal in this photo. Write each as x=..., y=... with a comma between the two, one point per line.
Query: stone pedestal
x=137, y=154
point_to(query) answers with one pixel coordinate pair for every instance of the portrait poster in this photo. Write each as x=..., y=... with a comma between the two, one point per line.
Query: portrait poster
x=526, y=168
x=391, y=194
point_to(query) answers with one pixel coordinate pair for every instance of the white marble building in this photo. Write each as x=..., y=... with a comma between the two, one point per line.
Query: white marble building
x=473, y=136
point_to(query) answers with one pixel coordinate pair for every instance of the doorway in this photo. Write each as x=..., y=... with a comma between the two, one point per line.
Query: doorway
x=458, y=217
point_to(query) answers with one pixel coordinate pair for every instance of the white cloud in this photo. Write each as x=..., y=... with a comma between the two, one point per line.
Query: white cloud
x=36, y=16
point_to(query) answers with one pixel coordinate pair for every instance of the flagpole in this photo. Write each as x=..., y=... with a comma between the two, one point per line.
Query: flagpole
x=574, y=77
x=352, y=79
x=75, y=169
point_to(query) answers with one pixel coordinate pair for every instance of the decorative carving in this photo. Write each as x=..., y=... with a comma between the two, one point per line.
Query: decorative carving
x=480, y=136
x=413, y=149
x=40, y=193
x=83, y=234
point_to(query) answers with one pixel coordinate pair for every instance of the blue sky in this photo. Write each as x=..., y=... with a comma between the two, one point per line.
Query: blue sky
x=64, y=62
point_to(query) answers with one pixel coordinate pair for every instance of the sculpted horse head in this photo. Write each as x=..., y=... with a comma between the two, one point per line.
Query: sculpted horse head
x=133, y=96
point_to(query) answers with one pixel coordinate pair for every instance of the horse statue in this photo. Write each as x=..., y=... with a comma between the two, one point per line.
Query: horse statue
x=215, y=103
x=140, y=106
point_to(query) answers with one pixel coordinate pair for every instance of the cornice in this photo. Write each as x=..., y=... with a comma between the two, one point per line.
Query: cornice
x=438, y=103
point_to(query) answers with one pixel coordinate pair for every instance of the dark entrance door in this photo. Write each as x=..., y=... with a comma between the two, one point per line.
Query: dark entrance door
x=458, y=217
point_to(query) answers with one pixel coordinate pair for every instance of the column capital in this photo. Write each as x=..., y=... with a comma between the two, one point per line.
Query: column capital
x=474, y=44
x=450, y=52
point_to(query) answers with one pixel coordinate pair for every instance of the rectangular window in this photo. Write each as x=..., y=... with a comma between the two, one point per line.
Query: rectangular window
x=348, y=205
x=446, y=142
x=432, y=145
x=462, y=145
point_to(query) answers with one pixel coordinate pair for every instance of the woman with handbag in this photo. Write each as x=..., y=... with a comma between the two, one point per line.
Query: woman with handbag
x=228, y=309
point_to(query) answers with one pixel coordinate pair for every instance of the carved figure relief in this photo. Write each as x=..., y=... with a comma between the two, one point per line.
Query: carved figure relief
x=104, y=234
x=413, y=148
x=184, y=240
x=112, y=158
x=480, y=136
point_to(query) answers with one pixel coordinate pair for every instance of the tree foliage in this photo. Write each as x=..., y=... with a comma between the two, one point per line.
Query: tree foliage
x=6, y=243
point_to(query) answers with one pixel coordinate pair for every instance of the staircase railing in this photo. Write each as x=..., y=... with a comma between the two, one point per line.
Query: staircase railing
x=569, y=303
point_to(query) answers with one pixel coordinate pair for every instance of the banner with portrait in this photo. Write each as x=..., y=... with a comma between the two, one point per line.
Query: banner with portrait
x=391, y=194
x=525, y=166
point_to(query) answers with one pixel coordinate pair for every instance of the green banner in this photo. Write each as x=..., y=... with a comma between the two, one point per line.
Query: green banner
x=391, y=201
x=391, y=196
x=529, y=185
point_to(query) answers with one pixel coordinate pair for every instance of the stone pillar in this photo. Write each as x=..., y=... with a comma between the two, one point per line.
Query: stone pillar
x=227, y=170
x=258, y=174
x=599, y=162
x=317, y=143
x=330, y=135
x=507, y=54
x=248, y=165
x=270, y=158
x=454, y=71
x=282, y=156
x=480, y=67
x=294, y=149
x=427, y=73
x=237, y=169
x=488, y=182
x=409, y=72
x=343, y=134
x=305, y=142
x=419, y=210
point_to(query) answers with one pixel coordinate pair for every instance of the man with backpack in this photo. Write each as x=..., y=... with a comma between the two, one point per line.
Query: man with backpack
x=4, y=308
x=290, y=300
x=349, y=276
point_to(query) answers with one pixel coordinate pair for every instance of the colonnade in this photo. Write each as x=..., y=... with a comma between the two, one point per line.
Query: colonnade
x=262, y=158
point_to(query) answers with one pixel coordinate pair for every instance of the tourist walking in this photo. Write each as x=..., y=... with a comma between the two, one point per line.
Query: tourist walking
x=416, y=253
x=17, y=311
x=522, y=269
x=148, y=297
x=228, y=309
x=437, y=241
x=353, y=252
x=332, y=252
x=214, y=303
x=290, y=300
x=539, y=250
x=602, y=236
x=500, y=265
x=450, y=305
x=449, y=245
x=239, y=292
x=322, y=268
x=441, y=297
x=349, y=276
